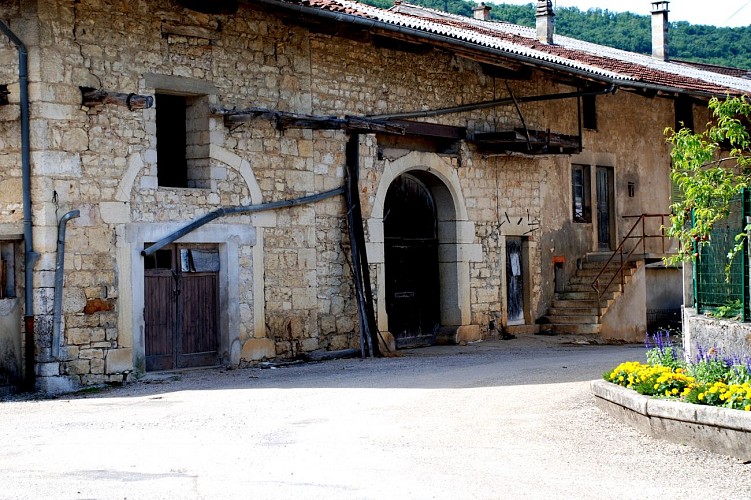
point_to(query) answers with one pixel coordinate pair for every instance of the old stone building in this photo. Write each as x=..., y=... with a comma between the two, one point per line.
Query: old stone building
x=492, y=163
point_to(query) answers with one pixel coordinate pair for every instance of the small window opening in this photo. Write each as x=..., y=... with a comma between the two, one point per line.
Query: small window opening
x=182, y=137
x=7, y=269
x=161, y=259
x=631, y=189
x=589, y=112
x=684, y=113
x=580, y=187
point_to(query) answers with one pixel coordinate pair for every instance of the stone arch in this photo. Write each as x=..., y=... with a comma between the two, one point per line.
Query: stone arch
x=456, y=247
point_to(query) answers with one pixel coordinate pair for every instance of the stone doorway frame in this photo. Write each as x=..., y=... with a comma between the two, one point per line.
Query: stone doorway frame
x=456, y=246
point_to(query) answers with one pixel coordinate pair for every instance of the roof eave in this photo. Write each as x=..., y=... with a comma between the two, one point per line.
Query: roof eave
x=541, y=63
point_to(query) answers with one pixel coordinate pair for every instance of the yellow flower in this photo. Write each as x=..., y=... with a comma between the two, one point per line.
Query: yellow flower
x=747, y=407
x=657, y=385
x=674, y=391
x=701, y=396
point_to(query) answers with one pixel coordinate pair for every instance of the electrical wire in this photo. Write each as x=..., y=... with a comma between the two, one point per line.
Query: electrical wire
x=738, y=11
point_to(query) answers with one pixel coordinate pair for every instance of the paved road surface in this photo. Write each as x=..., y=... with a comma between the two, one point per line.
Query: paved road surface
x=503, y=419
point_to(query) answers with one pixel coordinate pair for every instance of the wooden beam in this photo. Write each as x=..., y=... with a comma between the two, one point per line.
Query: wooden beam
x=391, y=43
x=540, y=142
x=95, y=97
x=285, y=120
x=435, y=130
x=514, y=72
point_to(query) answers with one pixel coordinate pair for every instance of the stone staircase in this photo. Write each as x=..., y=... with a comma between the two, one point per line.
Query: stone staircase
x=576, y=310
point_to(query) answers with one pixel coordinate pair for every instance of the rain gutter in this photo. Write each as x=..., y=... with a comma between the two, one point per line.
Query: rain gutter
x=59, y=276
x=224, y=211
x=29, y=255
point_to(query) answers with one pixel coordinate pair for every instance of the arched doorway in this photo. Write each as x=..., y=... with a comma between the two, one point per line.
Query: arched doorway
x=411, y=261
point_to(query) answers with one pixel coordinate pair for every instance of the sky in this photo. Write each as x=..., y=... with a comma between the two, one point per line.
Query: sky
x=731, y=13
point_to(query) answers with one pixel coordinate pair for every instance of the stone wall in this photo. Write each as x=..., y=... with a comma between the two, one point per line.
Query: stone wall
x=728, y=338
x=293, y=273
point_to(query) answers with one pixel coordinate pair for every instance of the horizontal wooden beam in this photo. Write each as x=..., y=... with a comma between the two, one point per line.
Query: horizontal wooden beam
x=434, y=130
x=286, y=120
x=526, y=141
x=95, y=97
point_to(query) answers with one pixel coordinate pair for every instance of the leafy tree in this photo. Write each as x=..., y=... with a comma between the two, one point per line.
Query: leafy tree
x=710, y=168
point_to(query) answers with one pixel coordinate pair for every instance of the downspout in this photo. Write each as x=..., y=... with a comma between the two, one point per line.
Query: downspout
x=59, y=267
x=224, y=211
x=30, y=257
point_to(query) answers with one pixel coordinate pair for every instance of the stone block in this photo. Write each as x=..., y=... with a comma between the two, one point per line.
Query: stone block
x=56, y=163
x=114, y=212
x=258, y=349
x=57, y=385
x=48, y=369
x=118, y=360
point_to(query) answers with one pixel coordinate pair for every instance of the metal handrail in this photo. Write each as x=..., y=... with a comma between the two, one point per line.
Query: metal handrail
x=640, y=220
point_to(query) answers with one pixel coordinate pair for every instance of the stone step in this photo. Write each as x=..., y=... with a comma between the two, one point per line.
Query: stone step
x=587, y=287
x=604, y=278
x=609, y=273
x=572, y=311
x=566, y=303
x=591, y=295
x=578, y=319
x=522, y=329
x=580, y=329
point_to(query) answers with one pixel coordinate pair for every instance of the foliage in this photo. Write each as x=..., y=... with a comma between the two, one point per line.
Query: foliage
x=731, y=310
x=710, y=379
x=622, y=30
x=710, y=168
x=661, y=351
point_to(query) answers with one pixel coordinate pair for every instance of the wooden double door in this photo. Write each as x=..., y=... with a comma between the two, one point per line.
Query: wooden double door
x=181, y=307
x=411, y=256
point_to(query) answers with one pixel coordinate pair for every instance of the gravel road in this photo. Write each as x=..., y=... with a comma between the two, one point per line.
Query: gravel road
x=499, y=419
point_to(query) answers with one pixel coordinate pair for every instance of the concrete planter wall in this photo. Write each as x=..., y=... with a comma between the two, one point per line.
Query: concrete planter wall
x=720, y=430
x=729, y=337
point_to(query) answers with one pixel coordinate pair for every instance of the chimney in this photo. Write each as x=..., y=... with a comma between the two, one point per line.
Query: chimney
x=545, y=21
x=660, y=30
x=482, y=12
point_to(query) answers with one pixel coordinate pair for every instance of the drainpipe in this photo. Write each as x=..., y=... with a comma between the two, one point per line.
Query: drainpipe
x=58, y=304
x=29, y=254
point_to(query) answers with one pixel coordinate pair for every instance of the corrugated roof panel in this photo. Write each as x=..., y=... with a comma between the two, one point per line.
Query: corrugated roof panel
x=597, y=60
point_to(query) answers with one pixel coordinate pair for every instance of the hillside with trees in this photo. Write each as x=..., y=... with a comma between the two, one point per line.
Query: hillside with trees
x=622, y=30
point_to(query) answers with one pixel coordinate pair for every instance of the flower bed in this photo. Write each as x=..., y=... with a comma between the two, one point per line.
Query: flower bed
x=690, y=402
x=710, y=379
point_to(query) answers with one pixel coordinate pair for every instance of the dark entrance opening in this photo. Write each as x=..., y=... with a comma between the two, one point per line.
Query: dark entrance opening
x=181, y=292
x=411, y=261
x=604, y=208
x=514, y=281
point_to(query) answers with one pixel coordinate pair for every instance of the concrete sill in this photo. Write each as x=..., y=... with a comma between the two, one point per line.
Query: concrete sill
x=720, y=430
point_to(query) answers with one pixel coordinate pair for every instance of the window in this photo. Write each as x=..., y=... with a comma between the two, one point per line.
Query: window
x=7, y=269
x=581, y=197
x=684, y=113
x=182, y=131
x=589, y=112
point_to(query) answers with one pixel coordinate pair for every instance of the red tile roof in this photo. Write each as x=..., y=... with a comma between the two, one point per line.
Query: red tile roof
x=511, y=41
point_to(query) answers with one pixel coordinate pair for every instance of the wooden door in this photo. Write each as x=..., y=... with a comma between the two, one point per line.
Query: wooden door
x=514, y=281
x=181, y=304
x=604, y=207
x=411, y=260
